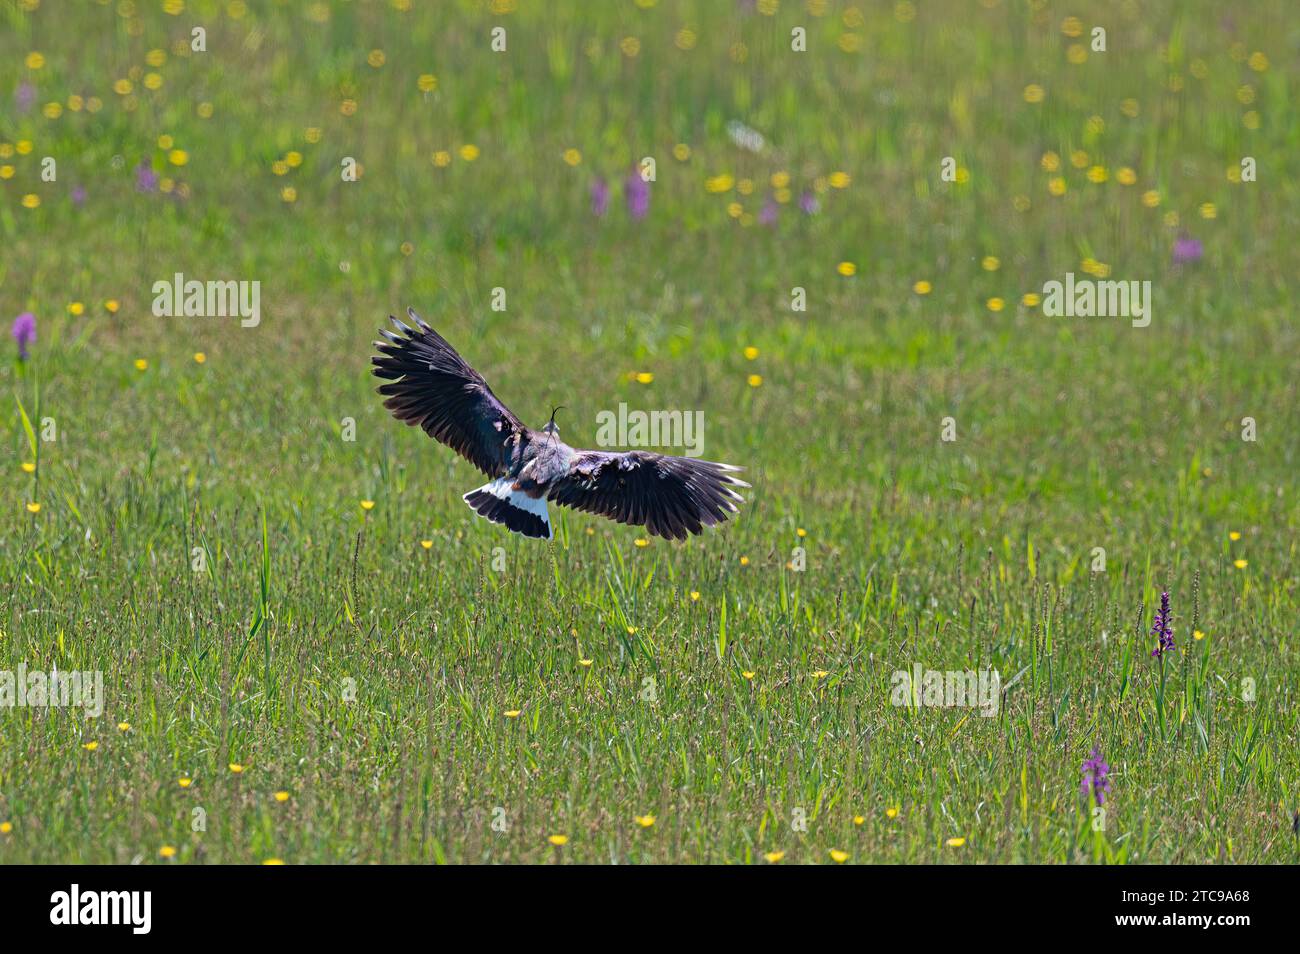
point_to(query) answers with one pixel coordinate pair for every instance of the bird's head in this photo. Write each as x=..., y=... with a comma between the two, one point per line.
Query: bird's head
x=550, y=427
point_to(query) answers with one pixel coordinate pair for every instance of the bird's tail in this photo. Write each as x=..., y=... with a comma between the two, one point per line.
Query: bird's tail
x=517, y=511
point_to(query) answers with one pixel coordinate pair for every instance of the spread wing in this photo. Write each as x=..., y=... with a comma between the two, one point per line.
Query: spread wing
x=434, y=387
x=670, y=496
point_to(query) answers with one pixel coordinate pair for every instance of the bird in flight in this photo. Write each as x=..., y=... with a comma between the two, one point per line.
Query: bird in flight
x=432, y=386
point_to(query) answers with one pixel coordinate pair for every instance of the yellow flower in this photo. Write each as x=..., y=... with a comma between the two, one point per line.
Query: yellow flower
x=442, y=158
x=1030, y=299
x=178, y=157
x=1098, y=174
x=200, y=357
x=748, y=675
x=167, y=851
x=990, y=263
x=76, y=308
x=631, y=630
x=367, y=505
x=35, y=60
x=858, y=819
x=820, y=673
x=755, y=380
x=645, y=821
x=469, y=152
x=236, y=768
x=141, y=364
x=6, y=827
x=774, y=856
x=839, y=180
x=585, y=663
x=274, y=862
x=111, y=306
x=1197, y=634
x=685, y=39
x=153, y=81
x=281, y=796
x=1125, y=176
x=348, y=107
x=512, y=713
x=6, y=172
x=921, y=287
x=721, y=183
x=1208, y=211
x=1151, y=198
x=427, y=544
x=572, y=157
x=24, y=146
x=52, y=110
x=641, y=542
x=558, y=841
x=1050, y=162
x=185, y=781
x=1239, y=564
x=29, y=467
x=1234, y=535
x=744, y=561
x=165, y=141
x=33, y=507
x=90, y=746
x=780, y=180
x=644, y=377
x=31, y=201
x=1033, y=93
x=891, y=811
x=122, y=87
x=630, y=46
x=956, y=842
x=681, y=152
x=124, y=726
x=1056, y=186
x=695, y=595
x=289, y=194
x=751, y=353
x=1258, y=62
x=995, y=304
x=427, y=83
x=839, y=857
x=847, y=269
x=156, y=57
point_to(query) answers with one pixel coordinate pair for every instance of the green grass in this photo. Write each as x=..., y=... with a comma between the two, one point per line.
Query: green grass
x=1071, y=434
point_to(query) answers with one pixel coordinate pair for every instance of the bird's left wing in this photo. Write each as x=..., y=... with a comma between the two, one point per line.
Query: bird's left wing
x=435, y=387
x=670, y=496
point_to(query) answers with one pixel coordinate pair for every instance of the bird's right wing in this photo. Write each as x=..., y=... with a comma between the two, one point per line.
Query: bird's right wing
x=435, y=387
x=670, y=496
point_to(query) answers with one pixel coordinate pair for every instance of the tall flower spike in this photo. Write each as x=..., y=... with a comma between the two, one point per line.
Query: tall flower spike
x=1161, y=629
x=1096, y=776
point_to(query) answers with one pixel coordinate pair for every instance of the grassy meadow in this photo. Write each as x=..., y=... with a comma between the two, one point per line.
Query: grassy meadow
x=312, y=651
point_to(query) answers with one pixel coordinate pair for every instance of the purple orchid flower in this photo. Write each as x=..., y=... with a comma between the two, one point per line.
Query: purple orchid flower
x=636, y=192
x=146, y=180
x=809, y=204
x=1187, y=250
x=1096, y=776
x=1161, y=629
x=24, y=332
